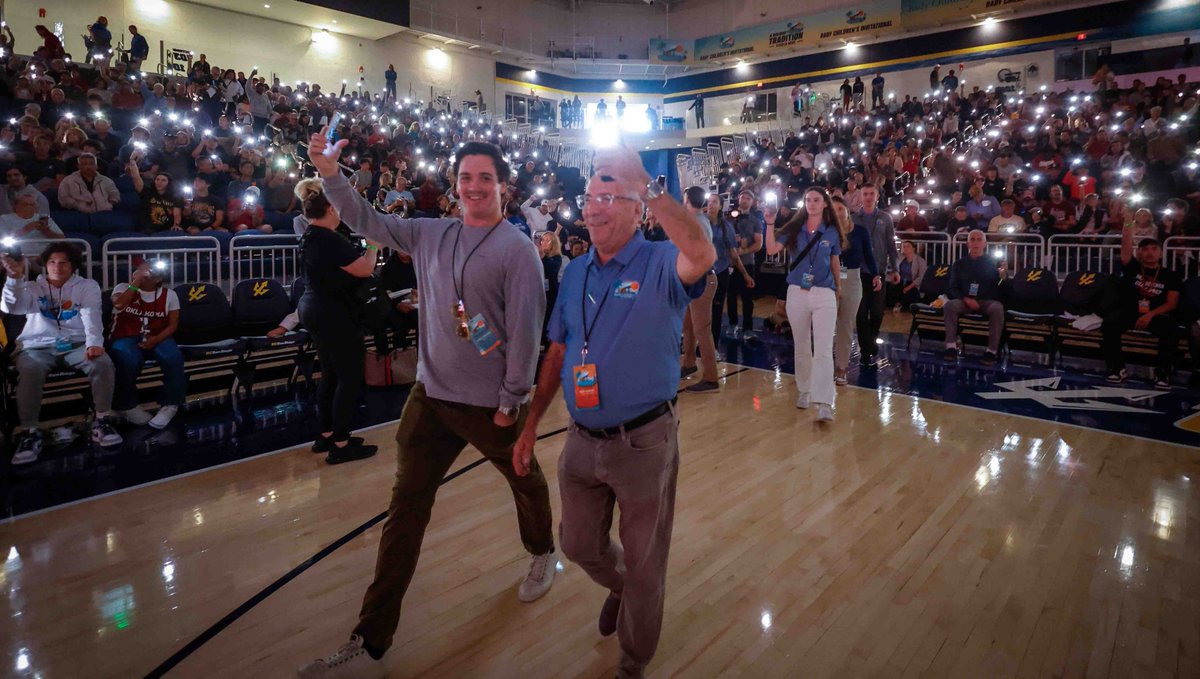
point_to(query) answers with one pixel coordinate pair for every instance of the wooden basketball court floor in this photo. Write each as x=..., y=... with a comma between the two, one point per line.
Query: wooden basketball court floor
x=911, y=538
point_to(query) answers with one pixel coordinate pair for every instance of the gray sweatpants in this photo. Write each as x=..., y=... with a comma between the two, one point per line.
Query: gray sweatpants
x=34, y=364
x=636, y=471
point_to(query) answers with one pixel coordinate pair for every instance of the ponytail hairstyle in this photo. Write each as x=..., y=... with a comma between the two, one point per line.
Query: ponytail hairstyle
x=791, y=230
x=312, y=197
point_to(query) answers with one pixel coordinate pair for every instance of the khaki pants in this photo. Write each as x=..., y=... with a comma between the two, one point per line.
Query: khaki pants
x=431, y=435
x=697, y=328
x=636, y=471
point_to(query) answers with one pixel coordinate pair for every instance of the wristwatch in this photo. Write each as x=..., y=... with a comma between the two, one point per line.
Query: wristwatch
x=510, y=411
x=653, y=190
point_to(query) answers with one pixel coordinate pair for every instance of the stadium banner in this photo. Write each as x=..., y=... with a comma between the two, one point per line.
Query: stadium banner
x=918, y=14
x=880, y=17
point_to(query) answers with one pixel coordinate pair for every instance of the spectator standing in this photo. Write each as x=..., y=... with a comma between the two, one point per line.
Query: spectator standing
x=389, y=78
x=697, y=320
x=139, y=49
x=877, y=86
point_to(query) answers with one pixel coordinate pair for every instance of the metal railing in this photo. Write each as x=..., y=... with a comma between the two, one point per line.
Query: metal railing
x=1182, y=254
x=1100, y=253
x=189, y=259
x=1020, y=250
x=934, y=248
x=275, y=256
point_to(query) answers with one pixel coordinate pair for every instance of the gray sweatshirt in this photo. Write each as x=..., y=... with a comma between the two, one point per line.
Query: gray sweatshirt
x=503, y=281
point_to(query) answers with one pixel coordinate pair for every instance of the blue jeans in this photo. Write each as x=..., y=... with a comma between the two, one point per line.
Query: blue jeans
x=128, y=359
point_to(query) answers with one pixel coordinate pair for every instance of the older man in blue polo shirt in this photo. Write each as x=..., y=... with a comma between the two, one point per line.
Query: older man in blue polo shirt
x=615, y=343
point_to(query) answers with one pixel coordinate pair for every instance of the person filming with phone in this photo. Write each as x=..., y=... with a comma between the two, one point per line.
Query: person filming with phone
x=25, y=222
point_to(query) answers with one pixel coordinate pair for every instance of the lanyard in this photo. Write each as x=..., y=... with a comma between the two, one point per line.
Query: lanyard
x=58, y=306
x=587, y=329
x=460, y=281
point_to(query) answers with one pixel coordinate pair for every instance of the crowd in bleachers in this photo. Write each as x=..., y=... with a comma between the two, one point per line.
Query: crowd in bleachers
x=100, y=150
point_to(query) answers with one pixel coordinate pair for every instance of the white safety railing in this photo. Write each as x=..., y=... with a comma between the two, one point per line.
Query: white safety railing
x=934, y=248
x=32, y=248
x=1100, y=253
x=255, y=256
x=190, y=259
x=1020, y=250
x=1182, y=254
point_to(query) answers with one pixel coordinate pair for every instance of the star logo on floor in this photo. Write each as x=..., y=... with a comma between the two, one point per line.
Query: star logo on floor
x=1046, y=392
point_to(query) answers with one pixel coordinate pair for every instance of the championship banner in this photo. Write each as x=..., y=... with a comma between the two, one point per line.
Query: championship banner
x=918, y=14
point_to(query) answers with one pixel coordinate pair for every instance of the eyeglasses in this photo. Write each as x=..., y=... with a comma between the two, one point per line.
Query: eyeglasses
x=604, y=199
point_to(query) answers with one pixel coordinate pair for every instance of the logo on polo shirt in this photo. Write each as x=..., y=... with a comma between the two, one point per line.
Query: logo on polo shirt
x=627, y=289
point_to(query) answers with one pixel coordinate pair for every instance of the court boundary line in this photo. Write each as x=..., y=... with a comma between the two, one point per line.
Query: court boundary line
x=216, y=628
x=992, y=412
x=279, y=583
x=46, y=510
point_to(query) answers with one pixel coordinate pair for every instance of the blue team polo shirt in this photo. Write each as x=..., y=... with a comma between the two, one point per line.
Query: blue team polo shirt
x=817, y=261
x=634, y=343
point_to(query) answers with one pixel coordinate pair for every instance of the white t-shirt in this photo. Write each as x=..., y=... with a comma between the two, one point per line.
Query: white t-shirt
x=11, y=224
x=149, y=296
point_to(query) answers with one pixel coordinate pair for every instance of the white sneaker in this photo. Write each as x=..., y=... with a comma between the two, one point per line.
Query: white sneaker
x=134, y=415
x=541, y=576
x=351, y=661
x=824, y=412
x=802, y=401
x=163, y=417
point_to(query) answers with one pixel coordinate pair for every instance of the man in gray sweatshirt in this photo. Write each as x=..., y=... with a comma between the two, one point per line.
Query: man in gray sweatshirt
x=482, y=304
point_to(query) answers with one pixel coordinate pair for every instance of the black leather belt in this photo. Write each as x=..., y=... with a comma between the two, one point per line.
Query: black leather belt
x=641, y=420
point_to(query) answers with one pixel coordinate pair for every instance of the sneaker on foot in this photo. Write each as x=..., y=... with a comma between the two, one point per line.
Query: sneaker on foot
x=824, y=412
x=749, y=336
x=684, y=371
x=163, y=417
x=950, y=354
x=802, y=401
x=349, y=453
x=1117, y=376
x=135, y=415
x=704, y=387
x=29, y=446
x=839, y=378
x=1162, y=381
x=609, y=614
x=351, y=661
x=105, y=434
x=541, y=576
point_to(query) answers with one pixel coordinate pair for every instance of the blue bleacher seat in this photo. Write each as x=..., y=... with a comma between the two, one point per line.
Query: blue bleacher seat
x=110, y=222
x=70, y=220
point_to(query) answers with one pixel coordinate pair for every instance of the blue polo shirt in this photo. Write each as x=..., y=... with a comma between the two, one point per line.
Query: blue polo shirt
x=634, y=343
x=817, y=261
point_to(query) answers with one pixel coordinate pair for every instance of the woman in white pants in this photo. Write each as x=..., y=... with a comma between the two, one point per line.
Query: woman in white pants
x=813, y=242
x=856, y=259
